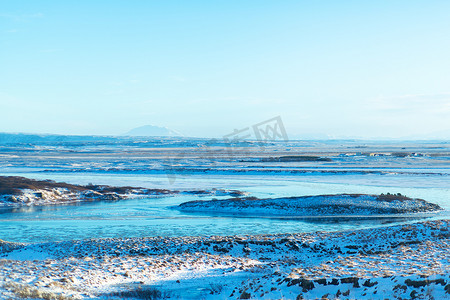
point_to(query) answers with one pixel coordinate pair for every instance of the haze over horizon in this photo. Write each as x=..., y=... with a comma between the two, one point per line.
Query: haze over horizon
x=437, y=136
x=329, y=69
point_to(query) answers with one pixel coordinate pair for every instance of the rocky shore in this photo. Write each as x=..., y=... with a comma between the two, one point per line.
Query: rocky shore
x=20, y=191
x=408, y=261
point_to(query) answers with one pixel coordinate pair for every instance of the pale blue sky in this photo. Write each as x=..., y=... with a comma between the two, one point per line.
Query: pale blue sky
x=329, y=68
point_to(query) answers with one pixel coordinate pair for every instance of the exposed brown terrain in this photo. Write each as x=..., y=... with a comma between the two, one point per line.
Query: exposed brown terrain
x=13, y=185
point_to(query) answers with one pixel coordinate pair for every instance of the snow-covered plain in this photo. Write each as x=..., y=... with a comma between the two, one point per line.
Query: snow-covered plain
x=400, y=261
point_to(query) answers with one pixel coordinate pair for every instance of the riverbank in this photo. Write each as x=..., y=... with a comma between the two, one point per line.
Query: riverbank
x=402, y=261
x=18, y=191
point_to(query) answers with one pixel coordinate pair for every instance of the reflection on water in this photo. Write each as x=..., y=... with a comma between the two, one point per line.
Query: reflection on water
x=49, y=208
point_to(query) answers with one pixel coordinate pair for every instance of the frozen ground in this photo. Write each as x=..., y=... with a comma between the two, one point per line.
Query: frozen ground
x=320, y=205
x=20, y=191
x=393, y=262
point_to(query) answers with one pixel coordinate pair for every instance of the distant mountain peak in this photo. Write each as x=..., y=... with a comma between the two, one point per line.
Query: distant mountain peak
x=151, y=130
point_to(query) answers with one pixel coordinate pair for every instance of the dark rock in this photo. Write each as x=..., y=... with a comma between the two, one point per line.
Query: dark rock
x=334, y=281
x=245, y=295
x=353, y=280
x=367, y=283
x=400, y=287
x=417, y=283
x=305, y=284
x=447, y=289
x=220, y=249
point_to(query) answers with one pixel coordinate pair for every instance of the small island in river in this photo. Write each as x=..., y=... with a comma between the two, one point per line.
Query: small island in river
x=321, y=205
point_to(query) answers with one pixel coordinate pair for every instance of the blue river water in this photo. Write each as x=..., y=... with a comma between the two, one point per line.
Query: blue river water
x=156, y=217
